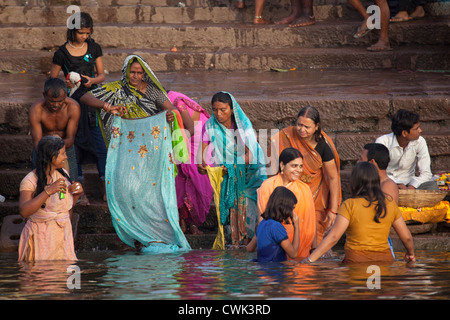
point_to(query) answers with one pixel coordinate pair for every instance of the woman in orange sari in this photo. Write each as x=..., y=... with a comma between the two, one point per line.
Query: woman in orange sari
x=320, y=164
x=290, y=171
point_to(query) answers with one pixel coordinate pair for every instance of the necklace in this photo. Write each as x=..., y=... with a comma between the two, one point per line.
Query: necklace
x=70, y=44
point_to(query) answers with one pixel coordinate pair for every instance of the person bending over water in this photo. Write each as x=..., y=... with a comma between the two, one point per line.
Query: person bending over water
x=366, y=218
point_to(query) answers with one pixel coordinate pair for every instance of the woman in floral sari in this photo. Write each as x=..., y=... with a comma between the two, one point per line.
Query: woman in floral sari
x=140, y=170
x=229, y=144
x=140, y=92
x=320, y=164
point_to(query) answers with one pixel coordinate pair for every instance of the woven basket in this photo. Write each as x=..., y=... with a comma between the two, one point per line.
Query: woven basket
x=420, y=198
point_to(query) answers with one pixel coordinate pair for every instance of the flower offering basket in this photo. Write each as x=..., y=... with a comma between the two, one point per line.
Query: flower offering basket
x=414, y=198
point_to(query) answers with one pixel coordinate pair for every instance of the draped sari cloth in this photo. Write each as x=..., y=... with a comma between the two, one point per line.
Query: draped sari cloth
x=216, y=177
x=238, y=188
x=314, y=173
x=140, y=183
x=194, y=191
x=122, y=93
x=47, y=234
x=304, y=210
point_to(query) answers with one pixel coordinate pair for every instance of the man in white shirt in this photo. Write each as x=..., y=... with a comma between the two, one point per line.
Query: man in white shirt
x=408, y=149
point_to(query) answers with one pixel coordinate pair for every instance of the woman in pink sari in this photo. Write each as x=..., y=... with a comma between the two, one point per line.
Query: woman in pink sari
x=194, y=191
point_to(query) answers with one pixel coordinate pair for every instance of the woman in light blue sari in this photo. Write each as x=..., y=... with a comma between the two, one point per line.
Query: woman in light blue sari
x=143, y=147
x=229, y=142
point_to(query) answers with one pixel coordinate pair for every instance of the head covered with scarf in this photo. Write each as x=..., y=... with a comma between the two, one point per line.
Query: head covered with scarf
x=227, y=148
x=121, y=92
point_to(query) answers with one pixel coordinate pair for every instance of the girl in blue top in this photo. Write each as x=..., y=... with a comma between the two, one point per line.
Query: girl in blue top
x=272, y=243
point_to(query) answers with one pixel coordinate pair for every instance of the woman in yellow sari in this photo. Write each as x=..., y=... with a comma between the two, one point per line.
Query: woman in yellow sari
x=320, y=164
x=290, y=171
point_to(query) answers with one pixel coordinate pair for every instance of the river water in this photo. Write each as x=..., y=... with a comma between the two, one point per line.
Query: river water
x=220, y=275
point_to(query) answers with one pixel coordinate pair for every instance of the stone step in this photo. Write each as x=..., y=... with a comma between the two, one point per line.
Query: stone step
x=138, y=14
x=206, y=37
x=348, y=145
x=349, y=101
x=94, y=228
x=250, y=59
x=156, y=3
x=38, y=13
x=110, y=241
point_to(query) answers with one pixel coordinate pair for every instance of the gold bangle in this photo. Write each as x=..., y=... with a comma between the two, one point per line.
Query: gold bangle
x=48, y=194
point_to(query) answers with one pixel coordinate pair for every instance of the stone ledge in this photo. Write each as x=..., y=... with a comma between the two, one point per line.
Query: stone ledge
x=425, y=242
x=209, y=37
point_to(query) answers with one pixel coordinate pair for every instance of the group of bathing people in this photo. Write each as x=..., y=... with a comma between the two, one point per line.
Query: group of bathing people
x=308, y=168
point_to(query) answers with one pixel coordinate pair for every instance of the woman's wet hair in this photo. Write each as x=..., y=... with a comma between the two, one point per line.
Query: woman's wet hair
x=365, y=183
x=48, y=148
x=85, y=22
x=280, y=206
x=312, y=113
x=287, y=155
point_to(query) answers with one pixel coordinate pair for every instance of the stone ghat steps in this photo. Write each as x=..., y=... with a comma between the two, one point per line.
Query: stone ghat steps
x=147, y=13
x=95, y=231
x=251, y=59
x=348, y=101
x=39, y=12
x=206, y=37
x=348, y=145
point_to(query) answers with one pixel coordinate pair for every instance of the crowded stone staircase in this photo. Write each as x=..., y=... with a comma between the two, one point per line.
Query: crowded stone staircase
x=199, y=47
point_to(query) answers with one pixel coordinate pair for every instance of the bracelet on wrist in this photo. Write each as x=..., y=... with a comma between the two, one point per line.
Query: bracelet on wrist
x=309, y=260
x=48, y=194
x=331, y=211
x=106, y=107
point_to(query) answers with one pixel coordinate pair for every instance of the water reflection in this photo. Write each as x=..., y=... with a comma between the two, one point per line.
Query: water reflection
x=210, y=274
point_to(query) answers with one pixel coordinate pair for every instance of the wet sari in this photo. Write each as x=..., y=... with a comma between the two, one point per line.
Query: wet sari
x=304, y=210
x=140, y=183
x=47, y=234
x=194, y=191
x=238, y=194
x=314, y=173
x=140, y=168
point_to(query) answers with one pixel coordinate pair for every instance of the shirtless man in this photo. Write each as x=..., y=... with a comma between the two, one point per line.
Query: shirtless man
x=378, y=155
x=56, y=114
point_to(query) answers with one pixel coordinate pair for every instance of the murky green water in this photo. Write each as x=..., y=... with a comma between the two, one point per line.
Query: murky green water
x=209, y=274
